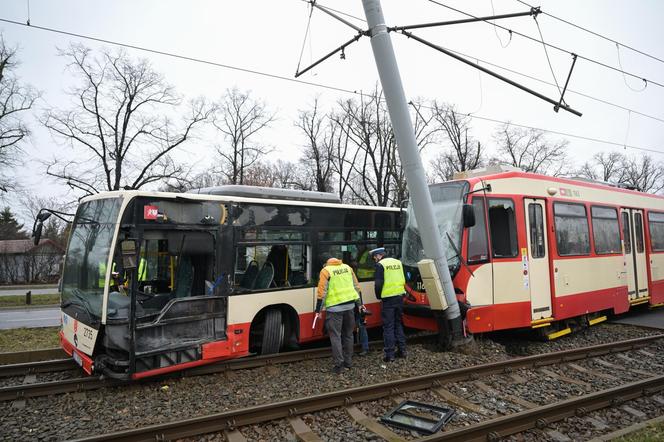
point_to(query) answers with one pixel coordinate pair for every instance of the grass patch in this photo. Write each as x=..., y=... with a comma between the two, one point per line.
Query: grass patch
x=19, y=300
x=26, y=339
x=649, y=434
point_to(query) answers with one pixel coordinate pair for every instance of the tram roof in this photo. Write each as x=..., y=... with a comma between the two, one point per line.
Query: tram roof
x=475, y=178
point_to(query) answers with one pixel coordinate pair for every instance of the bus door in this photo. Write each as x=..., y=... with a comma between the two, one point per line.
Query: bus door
x=536, y=267
x=635, y=254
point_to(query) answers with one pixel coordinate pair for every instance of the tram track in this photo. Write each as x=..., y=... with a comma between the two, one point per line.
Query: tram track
x=32, y=389
x=229, y=421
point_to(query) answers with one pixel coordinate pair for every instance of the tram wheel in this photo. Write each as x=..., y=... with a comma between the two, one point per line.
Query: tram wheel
x=273, y=332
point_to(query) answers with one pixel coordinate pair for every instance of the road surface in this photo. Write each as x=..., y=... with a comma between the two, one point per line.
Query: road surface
x=21, y=291
x=30, y=317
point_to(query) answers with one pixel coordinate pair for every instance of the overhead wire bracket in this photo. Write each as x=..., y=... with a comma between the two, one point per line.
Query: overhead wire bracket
x=360, y=32
x=562, y=94
x=533, y=12
x=490, y=72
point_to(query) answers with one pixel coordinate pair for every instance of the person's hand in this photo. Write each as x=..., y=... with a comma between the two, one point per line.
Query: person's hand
x=363, y=308
x=316, y=318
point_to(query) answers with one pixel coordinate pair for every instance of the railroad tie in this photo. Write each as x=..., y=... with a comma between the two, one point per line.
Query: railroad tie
x=591, y=372
x=557, y=436
x=372, y=425
x=597, y=423
x=18, y=404
x=302, y=430
x=30, y=379
x=564, y=378
x=518, y=379
x=234, y=436
x=628, y=430
x=459, y=401
x=632, y=360
x=634, y=412
x=514, y=399
x=646, y=353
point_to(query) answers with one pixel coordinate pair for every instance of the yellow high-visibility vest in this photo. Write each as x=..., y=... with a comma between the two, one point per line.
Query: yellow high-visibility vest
x=364, y=268
x=341, y=287
x=394, y=280
x=143, y=270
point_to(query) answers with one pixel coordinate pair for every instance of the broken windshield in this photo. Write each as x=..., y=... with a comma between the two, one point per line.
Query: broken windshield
x=447, y=201
x=85, y=272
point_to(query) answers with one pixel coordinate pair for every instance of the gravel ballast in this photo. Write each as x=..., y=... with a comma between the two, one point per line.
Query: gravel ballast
x=67, y=416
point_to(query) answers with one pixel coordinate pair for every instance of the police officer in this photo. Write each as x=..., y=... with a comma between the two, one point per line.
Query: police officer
x=390, y=282
x=339, y=291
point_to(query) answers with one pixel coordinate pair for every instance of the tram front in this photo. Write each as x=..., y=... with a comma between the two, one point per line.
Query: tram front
x=140, y=288
x=452, y=217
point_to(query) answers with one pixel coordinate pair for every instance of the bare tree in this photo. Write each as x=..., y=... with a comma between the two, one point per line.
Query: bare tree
x=370, y=131
x=119, y=125
x=240, y=118
x=604, y=166
x=528, y=149
x=464, y=152
x=643, y=174
x=15, y=99
x=318, y=154
x=344, y=155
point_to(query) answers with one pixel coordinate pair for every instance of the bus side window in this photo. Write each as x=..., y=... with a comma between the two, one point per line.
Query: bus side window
x=259, y=267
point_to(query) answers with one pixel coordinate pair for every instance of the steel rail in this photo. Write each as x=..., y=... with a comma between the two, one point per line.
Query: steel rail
x=540, y=417
x=23, y=357
x=229, y=420
x=38, y=389
x=36, y=367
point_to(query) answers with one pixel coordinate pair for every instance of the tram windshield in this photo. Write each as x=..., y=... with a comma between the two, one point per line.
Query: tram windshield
x=84, y=274
x=447, y=201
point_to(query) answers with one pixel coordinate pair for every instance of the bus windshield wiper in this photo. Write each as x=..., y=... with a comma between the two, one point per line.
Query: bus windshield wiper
x=458, y=254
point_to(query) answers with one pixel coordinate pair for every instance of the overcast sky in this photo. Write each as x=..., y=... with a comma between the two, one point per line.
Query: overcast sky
x=267, y=35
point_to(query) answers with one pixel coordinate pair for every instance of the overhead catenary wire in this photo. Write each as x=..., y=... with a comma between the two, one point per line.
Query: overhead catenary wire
x=595, y=33
x=558, y=48
x=293, y=80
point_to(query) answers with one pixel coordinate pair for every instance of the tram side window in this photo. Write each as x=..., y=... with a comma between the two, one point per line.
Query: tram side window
x=536, y=217
x=656, y=224
x=606, y=231
x=478, y=246
x=626, y=235
x=638, y=232
x=502, y=224
x=572, y=233
x=273, y=264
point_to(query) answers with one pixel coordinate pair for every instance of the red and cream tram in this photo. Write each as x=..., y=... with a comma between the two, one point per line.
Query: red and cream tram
x=549, y=253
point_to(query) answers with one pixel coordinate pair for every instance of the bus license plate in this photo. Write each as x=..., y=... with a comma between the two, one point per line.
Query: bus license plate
x=78, y=359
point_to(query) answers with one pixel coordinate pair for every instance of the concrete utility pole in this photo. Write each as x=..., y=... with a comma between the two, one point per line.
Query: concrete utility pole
x=411, y=162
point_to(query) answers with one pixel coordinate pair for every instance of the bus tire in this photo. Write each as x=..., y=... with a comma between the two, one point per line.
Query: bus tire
x=273, y=332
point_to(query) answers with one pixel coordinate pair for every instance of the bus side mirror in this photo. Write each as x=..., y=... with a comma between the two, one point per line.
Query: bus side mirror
x=39, y=225
x=37, y=232
x=128, y=247
x=468, y=215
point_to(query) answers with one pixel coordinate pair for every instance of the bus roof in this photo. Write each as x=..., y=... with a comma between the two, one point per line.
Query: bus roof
x=230, y=199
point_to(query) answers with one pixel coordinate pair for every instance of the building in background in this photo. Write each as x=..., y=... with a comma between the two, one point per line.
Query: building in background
x=22, y=262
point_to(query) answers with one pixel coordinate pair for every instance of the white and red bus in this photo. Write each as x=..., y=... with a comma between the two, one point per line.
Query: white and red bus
x=156, y=282
x=549, y=253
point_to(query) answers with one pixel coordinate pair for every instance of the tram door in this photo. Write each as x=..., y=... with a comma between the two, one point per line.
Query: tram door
x=536, y=259
x=635, y=254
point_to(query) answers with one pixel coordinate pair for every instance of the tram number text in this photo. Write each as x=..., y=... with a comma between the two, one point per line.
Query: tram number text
x=87, y=333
